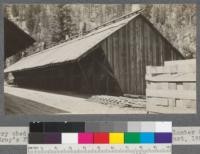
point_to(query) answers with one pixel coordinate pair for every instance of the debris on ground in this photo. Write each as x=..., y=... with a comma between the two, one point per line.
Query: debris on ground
x=121, y=101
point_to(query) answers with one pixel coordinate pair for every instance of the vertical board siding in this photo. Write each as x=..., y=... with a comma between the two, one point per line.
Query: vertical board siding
x=121, y=67
x=124, y=58
x=116, y=55
x=127, y=53
x=143, y=45
x=140, y=56
x=137, y=62
x=132, y=48
x=128, y=60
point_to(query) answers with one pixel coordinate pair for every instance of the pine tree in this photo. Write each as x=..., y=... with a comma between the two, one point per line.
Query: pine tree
x=15, y=11
x=65, y=21
x=5, y=10
x=31, y=18
x=177, y=22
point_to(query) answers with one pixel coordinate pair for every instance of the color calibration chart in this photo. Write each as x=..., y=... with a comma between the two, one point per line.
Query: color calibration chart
x=100, y=137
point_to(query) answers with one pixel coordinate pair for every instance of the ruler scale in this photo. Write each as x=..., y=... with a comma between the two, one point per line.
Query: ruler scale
x=19, y=136
x=100, y=149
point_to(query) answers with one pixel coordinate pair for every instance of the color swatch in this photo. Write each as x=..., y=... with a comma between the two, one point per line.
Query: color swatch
x=131, y=137
x=85, y=138
x=57, y=127
x=52, y=138
x=77, y=133
x=101, y=138
x=163, y=137
x=147, y=138
x=69, y=138
x=116, y=138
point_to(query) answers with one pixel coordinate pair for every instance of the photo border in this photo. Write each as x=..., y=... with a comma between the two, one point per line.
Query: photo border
x=178, y=119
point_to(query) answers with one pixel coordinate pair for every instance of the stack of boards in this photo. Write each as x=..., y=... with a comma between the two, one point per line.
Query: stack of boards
x=172, y=88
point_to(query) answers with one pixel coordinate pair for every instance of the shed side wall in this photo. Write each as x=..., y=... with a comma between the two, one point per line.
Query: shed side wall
x=131, y=49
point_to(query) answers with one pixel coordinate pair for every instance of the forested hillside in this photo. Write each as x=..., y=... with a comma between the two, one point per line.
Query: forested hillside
x=177, y=23
x=50, y=24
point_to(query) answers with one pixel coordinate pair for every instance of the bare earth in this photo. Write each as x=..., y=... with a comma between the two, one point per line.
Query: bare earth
x=26, y=101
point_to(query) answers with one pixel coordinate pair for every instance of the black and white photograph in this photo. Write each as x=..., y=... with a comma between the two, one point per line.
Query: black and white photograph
x=99, y=59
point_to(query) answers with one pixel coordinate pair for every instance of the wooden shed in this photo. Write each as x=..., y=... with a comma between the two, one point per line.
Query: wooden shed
x=15, y=39
x=110, y=59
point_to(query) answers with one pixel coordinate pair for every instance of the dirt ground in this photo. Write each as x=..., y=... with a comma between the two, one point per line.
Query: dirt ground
x=16, y=105
x=27, y=101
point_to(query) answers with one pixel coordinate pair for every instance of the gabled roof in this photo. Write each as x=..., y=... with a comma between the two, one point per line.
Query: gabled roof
x=74, y=49
x=70, y=50
x=15, y=38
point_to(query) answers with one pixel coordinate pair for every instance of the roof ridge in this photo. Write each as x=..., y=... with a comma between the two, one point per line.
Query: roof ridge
x=78, y=36
x=110, y=22
x=117, y=19
x=66, y=42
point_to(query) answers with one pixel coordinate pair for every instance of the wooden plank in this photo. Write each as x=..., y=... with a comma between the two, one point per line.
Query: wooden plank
x=153, y=48
x=171, y=69
x=145, y=51
x=121, y=67
x=181, y=62
x=189, y=86
x=189, y=77
x=183, y=65
x=143, y=64
x=124, y=59
x=191, y=104
x=117, y=57
x=157, y=101
x=111, y=51
x=172, y=102
x=145, y=44
x=172, y=86
x=179, y=86
x=127, y=60
x=163, y=52
x=179, y=94
x=132, y=57
x=134, y=75
x=149, y=51
x=160, y=51
x=139, y=53
x=158, y=85
x=138, y=57
x=157, y=50
x=169, y=110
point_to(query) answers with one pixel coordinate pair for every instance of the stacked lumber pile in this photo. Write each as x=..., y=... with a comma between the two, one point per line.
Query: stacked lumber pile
x=119, y=101
x=171, y=88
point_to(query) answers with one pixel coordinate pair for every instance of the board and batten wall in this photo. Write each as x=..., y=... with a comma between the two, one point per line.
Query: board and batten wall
x=133, y=47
